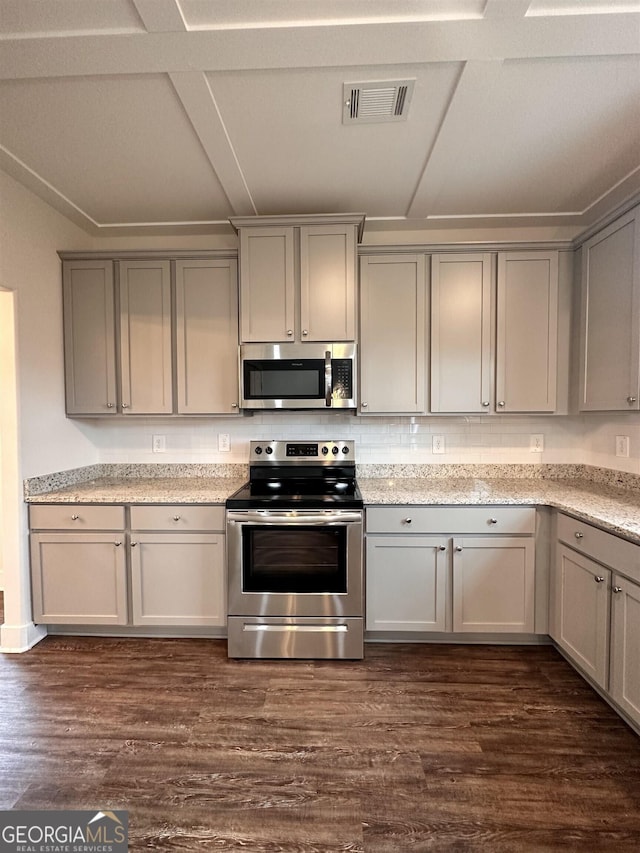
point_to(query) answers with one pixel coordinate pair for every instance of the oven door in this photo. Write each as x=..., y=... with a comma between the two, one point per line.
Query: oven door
x=294, y=563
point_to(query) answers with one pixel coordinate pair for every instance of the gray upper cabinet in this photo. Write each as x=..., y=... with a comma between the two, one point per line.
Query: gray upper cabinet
x=267, y=284
x=298, y=277
x=207, y=337
x=461, y=299
x=145, y=337
x=89, y=337
x=527, y=332
x=610, y=318
x=393, y=334
x=136, y=344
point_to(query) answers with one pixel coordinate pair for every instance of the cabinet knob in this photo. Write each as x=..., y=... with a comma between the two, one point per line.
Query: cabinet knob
x=458, y=547
x=631, y=400
x=406, y=521
x=485, y=403
x=125, y=405
x=493, y=521
x=176, y=518
x=117, y=544
x=364, y=405
x=442, y=547
x=75, y=517
x=305, y=332
x=617, y=589
x=134, y=544
x=579, y=535
x=290, y=332
x=234, y=405
x=501, y=404
x=599, y=579
x=109, y=405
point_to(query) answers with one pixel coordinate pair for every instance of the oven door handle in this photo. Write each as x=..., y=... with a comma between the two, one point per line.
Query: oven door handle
x=269, y=517
x=328, y=383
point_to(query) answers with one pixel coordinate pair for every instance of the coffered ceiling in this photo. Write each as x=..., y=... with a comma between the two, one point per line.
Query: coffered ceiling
x=142, y=116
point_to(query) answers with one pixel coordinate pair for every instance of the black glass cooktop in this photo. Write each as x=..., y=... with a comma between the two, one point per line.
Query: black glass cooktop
x=306, y=492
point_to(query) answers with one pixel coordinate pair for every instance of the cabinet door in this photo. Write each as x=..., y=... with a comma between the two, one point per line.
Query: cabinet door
x=207, y=337
x=79, y=578
x=461, y=333
x=328, y=283
x=267, y=284
x=581, y=612
x=178, y=579
x=527, y=332
x=406, y=583
x=89, y=337
x=145, y=337
x=624, y=685
x=610, y=318
x=393, y=323
x=493, y=584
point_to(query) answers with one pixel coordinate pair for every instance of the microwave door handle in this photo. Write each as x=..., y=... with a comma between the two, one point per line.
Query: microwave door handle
x=327, y=378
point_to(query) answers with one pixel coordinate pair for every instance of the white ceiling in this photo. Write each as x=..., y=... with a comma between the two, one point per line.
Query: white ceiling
x=135, y=116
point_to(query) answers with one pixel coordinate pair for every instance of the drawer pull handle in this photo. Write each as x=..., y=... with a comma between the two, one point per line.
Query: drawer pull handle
x=458, y=547
x=493, y=521
x=176, y=518
x=75, y=517
x=617, y=589
x=406, y=521
x=579, y=535
x=599, y=579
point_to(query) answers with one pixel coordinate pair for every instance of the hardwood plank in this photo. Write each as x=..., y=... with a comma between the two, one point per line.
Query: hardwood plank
x=416, y=748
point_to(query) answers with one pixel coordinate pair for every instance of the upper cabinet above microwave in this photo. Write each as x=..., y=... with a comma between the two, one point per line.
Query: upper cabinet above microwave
x=298, y=277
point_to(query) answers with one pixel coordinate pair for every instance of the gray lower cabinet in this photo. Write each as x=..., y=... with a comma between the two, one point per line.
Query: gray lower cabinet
x=595, y=609
x=166, y=567
x=78, y=565
x=177, y=578
x=424, y=573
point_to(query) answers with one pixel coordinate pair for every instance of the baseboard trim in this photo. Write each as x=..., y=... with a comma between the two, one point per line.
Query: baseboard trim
x=15, y=639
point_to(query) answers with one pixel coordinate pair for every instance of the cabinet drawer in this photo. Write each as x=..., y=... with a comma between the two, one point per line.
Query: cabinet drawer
x=606, y=548
x=178, y=518
x=451, y=520
x=76, y=517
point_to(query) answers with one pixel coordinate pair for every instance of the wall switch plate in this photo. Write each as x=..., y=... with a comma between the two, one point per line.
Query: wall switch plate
x=438, y=444
x=224, y=441
x=536, y=442
x=158, y=443
x=622, y=445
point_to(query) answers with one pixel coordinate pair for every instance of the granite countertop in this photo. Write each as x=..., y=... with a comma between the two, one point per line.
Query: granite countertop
x=143, y=490
x=615, y=510
x=592, y=497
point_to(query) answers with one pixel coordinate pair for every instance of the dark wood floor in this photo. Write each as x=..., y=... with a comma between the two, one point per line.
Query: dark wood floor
x=418, y=748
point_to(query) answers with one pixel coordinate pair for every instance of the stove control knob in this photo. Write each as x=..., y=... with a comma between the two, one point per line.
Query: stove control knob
x=258, y=451
x=325, y=450
x=345, y=450
x=269, y=450
x=334, y=450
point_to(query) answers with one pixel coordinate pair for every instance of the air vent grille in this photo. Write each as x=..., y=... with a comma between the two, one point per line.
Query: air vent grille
x=386, y=100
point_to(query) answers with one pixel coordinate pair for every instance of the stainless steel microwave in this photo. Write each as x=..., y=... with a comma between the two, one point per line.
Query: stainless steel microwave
x=298, y=376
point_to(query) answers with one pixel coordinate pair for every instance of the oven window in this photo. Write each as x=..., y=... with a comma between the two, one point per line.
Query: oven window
x=300, y=559
x=282, y=380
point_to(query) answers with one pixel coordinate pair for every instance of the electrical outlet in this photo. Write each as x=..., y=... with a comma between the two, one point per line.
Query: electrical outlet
x=223, y=441
x=158, y=443
x=438, y=444
x=622, y=445
x=536, y=443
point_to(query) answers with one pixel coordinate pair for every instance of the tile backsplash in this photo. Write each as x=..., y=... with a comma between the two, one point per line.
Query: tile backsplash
x=586, y=439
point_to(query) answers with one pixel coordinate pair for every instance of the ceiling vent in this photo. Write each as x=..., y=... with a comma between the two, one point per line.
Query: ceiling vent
x=385, y=100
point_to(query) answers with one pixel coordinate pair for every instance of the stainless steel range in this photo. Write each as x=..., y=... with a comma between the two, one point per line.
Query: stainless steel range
x=294, y=547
